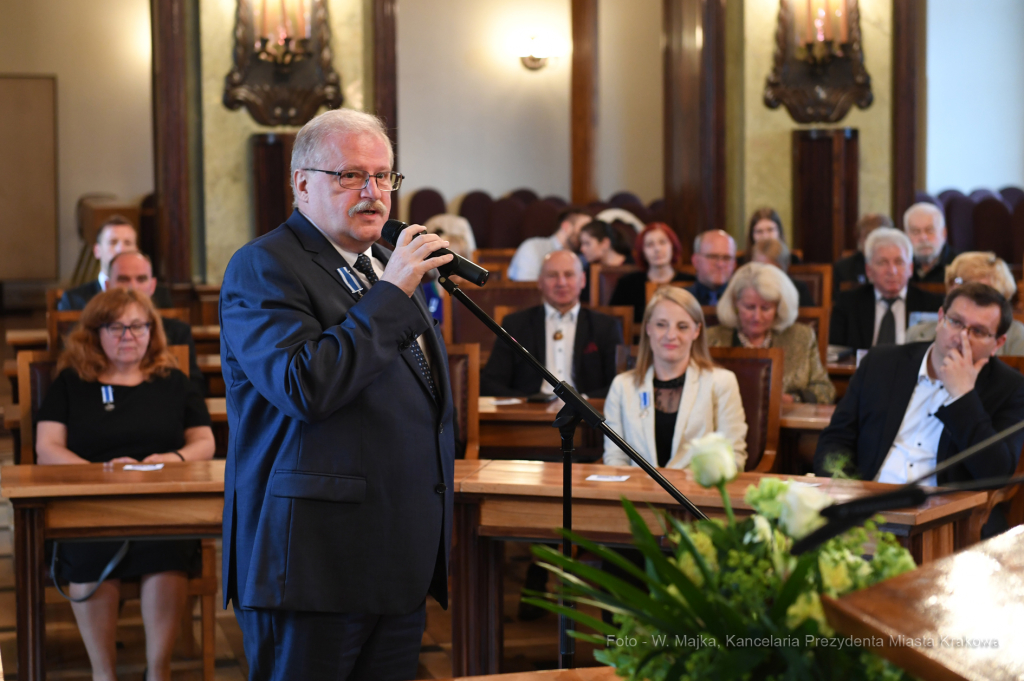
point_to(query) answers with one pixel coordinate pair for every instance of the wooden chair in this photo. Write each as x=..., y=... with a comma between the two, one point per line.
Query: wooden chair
x=53, y=296
x=495, y=261
x=35, y=374
x=506, y=223
x=1011, y=495
x=460, y=326
x=759, y=373
x=425, y=204
x=464, y=370
x=59, y=323
x=653, y=286
x=476, y=207
x=818, y=278
x=931, y=287
x=624, y=313
x=603, y=279
x=818, y=319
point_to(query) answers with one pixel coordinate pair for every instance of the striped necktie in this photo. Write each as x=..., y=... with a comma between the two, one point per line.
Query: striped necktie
x=366, y=268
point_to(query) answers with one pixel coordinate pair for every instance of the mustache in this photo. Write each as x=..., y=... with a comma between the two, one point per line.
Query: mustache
x=377, y=206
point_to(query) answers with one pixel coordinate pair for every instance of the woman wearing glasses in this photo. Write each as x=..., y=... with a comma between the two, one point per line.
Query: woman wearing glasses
x=120, y=398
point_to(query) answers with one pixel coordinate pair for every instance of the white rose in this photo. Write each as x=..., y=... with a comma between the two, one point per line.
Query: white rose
x=712, y=460
x=801, y=508
x=761, y=533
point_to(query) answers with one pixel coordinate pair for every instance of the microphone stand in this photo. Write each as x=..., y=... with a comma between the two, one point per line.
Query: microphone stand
x=576, y=408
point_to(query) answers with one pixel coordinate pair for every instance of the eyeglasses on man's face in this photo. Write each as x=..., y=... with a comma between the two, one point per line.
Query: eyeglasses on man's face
x=117, y=329
x=357, y=180
x=976, y=332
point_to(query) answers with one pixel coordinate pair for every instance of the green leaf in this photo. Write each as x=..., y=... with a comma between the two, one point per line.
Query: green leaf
x=793, y=586
x=574, y=614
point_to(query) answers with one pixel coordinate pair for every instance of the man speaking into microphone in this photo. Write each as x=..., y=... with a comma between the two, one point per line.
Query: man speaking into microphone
x=338, y=486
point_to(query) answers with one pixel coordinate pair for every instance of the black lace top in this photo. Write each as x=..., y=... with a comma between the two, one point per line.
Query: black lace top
x=666, y=406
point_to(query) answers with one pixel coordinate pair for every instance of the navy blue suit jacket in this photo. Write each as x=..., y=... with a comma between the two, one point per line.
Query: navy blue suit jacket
x=338, y=487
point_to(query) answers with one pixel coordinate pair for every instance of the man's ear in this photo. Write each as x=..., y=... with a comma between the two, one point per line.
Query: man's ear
x=299, y=180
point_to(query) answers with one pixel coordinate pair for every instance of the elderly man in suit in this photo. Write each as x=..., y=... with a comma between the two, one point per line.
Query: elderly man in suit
x=575, y=344
x=911, y=407
x=714, y=258
x=134, y=270
x=116, y=235
x=878, y=313
x=338, y=488
x=925, y=224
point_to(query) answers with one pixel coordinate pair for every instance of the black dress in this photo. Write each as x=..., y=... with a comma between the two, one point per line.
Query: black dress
x=149, y=418
x=631, y=289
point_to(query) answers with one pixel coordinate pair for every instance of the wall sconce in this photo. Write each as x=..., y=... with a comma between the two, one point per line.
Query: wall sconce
x=282, y=70
x=535, y=53
x=818, y=71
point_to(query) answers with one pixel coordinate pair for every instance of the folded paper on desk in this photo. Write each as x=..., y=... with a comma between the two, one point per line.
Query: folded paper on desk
x=608, y=478
x=143, y=466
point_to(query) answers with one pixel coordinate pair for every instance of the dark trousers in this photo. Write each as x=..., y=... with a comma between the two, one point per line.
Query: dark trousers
x=285, y=645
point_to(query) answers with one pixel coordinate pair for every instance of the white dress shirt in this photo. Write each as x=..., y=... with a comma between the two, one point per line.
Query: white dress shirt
x=916, y=447
x=525, y=264
x=378, y=269
x=103, y=279
x=558, y=353
x=899, y=311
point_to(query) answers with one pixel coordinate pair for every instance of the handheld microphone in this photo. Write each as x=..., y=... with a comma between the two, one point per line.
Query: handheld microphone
x=467, y=269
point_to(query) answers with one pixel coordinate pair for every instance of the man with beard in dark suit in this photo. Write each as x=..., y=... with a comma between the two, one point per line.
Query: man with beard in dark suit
x=911, y=407
x=878, y=313
x=574, y=343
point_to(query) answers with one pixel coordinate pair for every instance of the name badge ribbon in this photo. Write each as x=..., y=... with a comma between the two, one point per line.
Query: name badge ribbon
x=645, y=403
x=352, y=283
x=107, y=395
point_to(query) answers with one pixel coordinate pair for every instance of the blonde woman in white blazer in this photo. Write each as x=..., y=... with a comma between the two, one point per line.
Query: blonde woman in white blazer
x=649, y=407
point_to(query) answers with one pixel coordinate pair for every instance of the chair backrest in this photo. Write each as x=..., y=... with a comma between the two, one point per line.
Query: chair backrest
x=959, y=220
x=425, y=204
x=59, y=323
x=476, y=208
x=527, y=196
x=464, y=370
x=495, y=261
x=931, y=287
x=1012, y=195
x=35, y=374
x=460, y=326
x=53, y=296
x=180, y=354
x=653, y=286
x=759, y=374
x=818, y=319
x=182, y=314
x=540, y=219
x=992, y=227
x=625, y=357
x=818, y=278
x=506, y=223
x=603, y=279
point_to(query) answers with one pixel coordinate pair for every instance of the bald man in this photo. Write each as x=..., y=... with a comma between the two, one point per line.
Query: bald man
x=714, y=258
x=574, y=343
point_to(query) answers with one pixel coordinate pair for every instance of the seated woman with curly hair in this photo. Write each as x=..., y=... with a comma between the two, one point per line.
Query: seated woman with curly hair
x=758, y=310
x=119, y=397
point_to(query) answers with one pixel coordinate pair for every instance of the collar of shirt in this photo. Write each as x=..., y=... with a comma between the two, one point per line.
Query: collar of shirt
x=349, y=256
x=103, y=279
x=553, y=314
x=902, y=295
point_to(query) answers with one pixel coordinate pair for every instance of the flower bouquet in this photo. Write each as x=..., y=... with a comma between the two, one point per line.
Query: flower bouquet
x=729, y=601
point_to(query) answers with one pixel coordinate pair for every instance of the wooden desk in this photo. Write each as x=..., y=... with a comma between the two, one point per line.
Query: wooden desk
x=840, y=373
x=528, y=425
x=522, y=500
x=90, y=501
x=976, y=594
x=798, y=437
x=207, y=339
x=26, y=339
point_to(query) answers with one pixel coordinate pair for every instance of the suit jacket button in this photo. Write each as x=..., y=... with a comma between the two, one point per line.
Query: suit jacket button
x=440, y=429
x=440, y=488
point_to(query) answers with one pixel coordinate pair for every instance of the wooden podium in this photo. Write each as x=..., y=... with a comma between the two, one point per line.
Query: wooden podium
x=961, y=617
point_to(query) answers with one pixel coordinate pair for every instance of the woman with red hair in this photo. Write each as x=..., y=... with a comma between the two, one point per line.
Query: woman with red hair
x=657, y=251
x=119, y=397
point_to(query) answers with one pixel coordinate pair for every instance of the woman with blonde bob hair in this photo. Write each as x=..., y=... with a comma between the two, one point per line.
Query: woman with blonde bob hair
x=983, y=267
x=120, y=398
x=675, y=394
x=759, y=310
